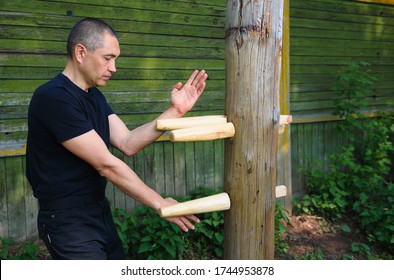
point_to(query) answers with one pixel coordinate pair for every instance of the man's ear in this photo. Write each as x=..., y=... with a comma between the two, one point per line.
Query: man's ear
x=79, y=52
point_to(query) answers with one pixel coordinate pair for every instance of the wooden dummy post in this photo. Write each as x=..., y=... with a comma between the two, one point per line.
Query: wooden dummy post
x=253, y=66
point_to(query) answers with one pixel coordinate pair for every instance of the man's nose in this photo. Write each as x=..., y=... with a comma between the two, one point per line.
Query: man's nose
x=112, y=67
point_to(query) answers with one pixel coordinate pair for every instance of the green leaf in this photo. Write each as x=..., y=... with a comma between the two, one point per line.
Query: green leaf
x=346, y=228
x=145, y=239
x=219, y=237
x=170, y=249
x=3, y=254
x=144, y=247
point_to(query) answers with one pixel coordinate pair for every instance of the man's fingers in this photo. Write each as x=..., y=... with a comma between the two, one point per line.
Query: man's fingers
x=197, y=77
x=184, y=225
x=201, y=88
x=187, y=224
x=200, y=78
x=177, y=86
x=193, y=218
x=192, y=76
x=184, y=222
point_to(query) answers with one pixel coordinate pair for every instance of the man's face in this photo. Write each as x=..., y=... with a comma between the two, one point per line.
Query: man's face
x=100, y=64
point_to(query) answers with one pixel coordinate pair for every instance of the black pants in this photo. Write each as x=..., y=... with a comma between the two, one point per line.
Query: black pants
x=87, y=232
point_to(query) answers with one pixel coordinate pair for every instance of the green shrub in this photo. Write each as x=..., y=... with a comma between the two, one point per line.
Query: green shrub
x=359, y=180
x=327, y=195
x=10, y=250
x=316, y=255
x=147, y=236
x=281, y=222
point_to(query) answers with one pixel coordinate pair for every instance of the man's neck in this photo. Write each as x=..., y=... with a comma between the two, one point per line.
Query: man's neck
x=71, y=72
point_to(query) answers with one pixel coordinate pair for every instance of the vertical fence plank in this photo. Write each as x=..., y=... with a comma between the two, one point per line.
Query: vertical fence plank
x=190, y=179
x=297, y=152
x=169, y=168
x=31, y=206
x=330, y=135
x=199, y=164
x=219, y=164
x=15, y=198
x=179, y=168
x=209, y=163
x=159, y=175
x=4, y=221
x=150, y=165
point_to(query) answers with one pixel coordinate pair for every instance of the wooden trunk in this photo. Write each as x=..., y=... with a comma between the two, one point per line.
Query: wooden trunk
x=253, y=64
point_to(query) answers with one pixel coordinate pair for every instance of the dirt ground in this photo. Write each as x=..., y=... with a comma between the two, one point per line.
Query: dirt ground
x=319, y=239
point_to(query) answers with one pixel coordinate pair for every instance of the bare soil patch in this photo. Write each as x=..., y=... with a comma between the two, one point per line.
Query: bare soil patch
x=316, y=237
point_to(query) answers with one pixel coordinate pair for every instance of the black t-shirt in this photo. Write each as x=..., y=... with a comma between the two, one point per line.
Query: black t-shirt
x=58, y=111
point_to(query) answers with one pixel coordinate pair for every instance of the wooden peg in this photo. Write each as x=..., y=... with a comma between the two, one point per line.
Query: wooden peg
x=203, y=133
x=179, y=123
x=285, y=119
x=280, y=191
x=217, y=202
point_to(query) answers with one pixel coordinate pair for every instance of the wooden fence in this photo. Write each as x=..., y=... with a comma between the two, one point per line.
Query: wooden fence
x=162, y=42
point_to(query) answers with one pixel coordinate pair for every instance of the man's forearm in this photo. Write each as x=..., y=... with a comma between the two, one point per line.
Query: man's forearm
x=124, y=178
x=144, y=135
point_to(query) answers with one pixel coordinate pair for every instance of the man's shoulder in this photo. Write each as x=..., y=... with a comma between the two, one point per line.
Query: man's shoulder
x=57, y=89
x=53, y=93
x=55, y=82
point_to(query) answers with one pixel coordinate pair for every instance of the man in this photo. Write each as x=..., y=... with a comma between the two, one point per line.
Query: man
x=71, y=127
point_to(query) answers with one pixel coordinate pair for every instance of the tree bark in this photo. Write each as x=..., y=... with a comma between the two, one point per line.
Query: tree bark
x=253, y=65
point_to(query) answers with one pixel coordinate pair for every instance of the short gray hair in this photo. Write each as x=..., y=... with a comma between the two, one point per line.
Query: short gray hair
x=88, y=32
